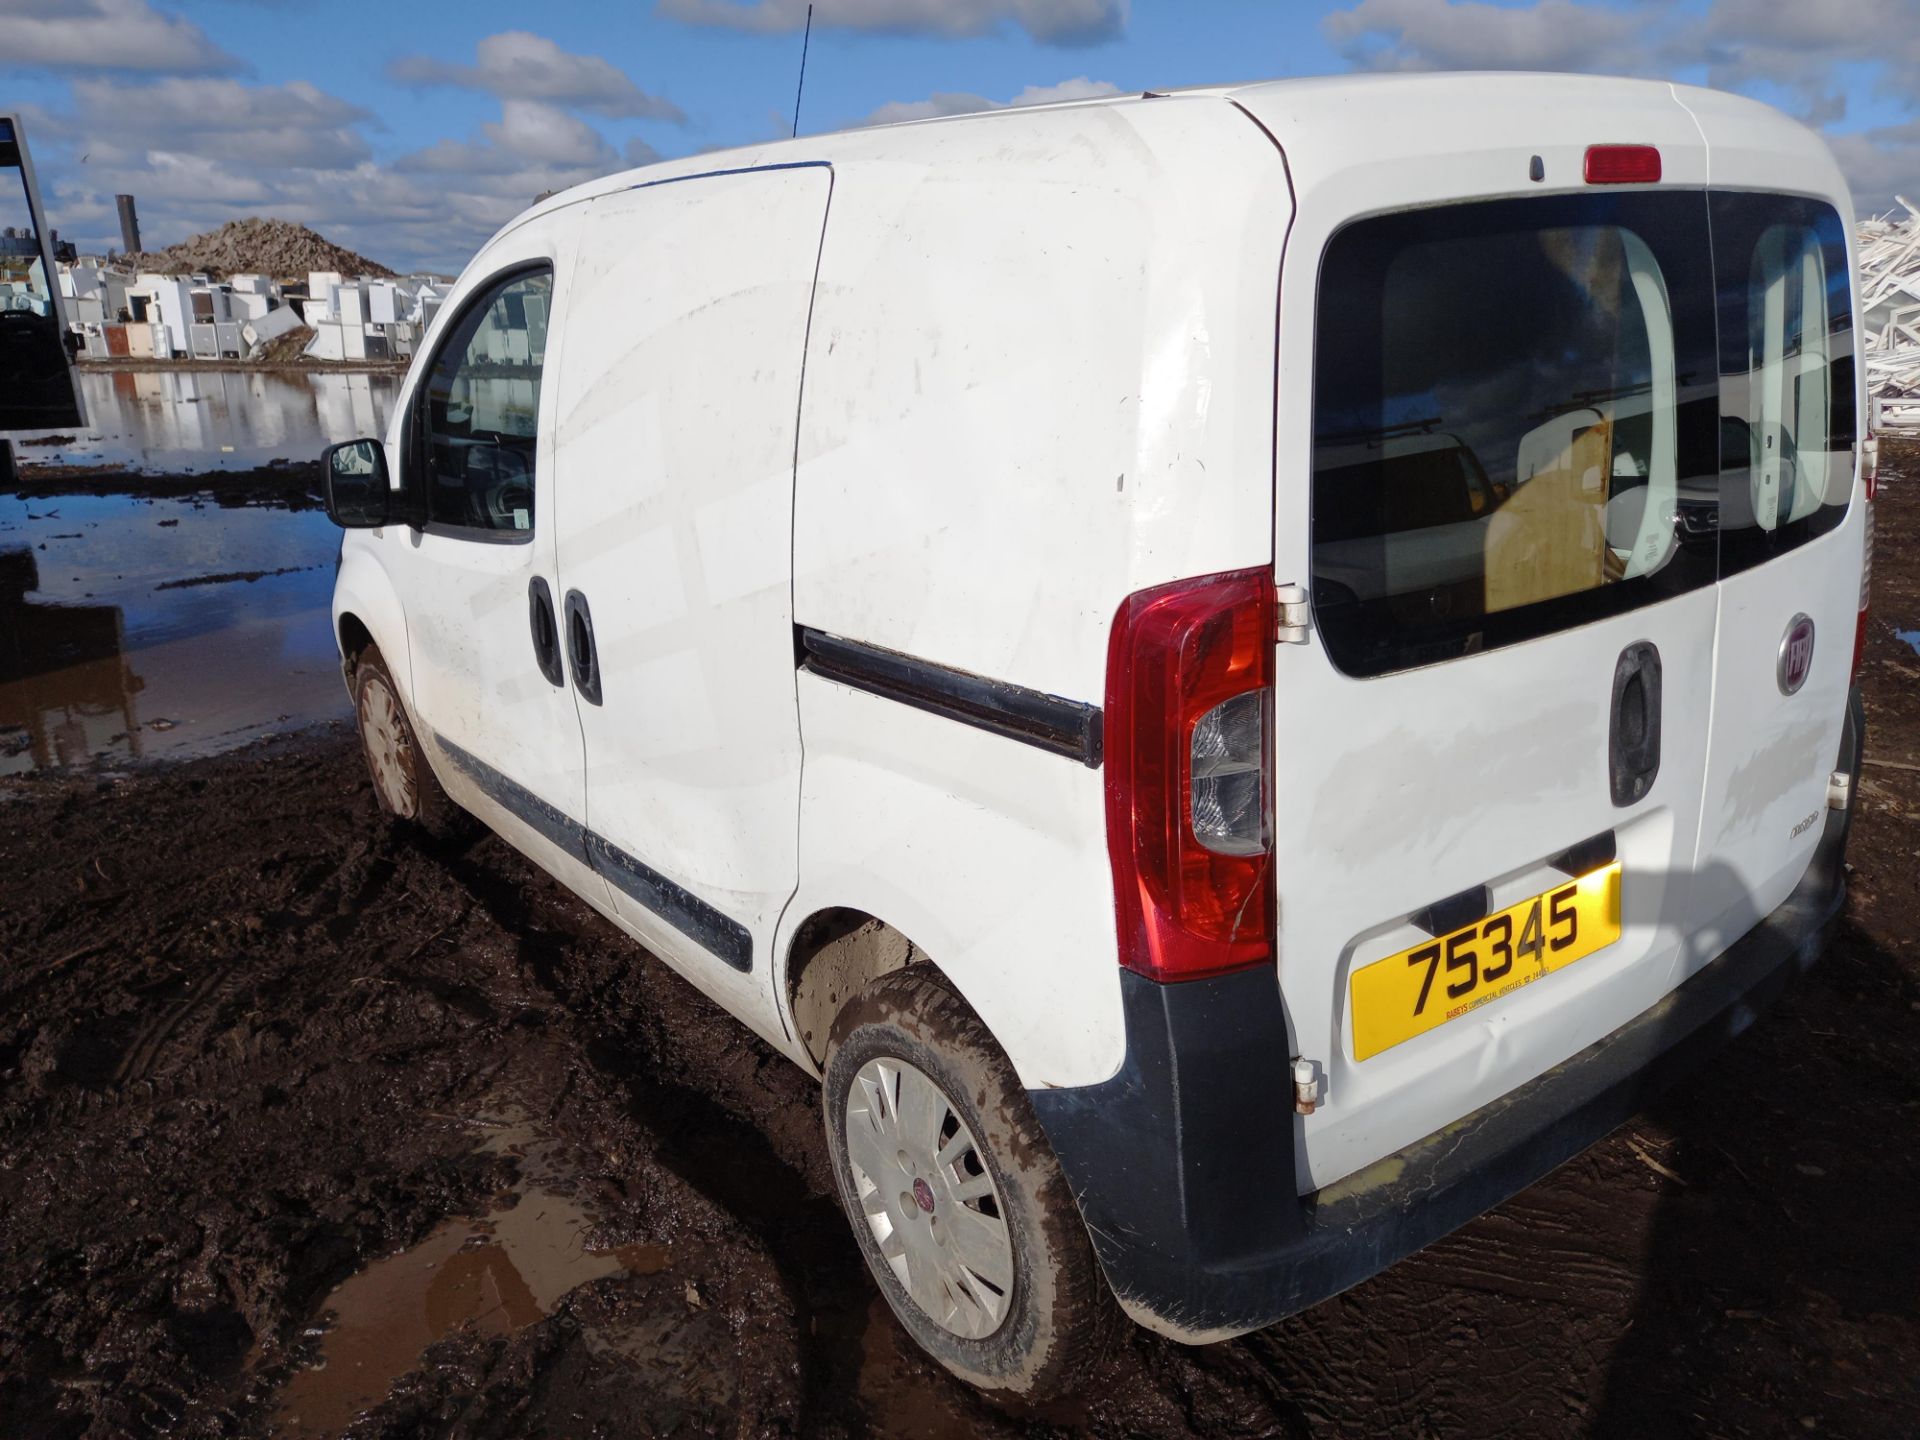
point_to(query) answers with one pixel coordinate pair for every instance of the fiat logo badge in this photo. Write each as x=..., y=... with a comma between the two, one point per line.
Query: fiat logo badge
x=1796, y=655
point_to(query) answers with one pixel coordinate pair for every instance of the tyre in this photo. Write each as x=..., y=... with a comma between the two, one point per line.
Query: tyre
x=403, y=781
x=955, y=1197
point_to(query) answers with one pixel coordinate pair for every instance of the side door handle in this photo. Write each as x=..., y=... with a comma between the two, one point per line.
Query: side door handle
x=583, y=656
x=546, y=633
x=1633, y=742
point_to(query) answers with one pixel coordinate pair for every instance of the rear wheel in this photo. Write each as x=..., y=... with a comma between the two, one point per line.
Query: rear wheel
x=403, y=782
x=955, y=1197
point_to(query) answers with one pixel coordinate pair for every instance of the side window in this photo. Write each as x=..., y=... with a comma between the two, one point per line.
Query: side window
x=1786, y=374
x=479, y=411
x=1510, y=422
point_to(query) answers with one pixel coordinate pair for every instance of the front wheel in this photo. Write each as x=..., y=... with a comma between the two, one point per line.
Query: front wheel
x=402, y=780
x=955, y=1197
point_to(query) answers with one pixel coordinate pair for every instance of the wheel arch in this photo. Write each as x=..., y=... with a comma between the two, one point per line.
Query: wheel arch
x=353, y=637
x=835, y=953
x=367, y=612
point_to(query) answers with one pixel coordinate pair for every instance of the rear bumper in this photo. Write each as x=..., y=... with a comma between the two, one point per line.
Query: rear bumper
x=1183, y=1165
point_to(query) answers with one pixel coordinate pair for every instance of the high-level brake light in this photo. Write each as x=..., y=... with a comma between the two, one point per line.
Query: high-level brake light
x=1622, y=165
x=1188, y=721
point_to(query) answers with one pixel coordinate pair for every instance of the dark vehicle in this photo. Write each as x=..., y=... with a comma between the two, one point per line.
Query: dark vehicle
x=37, y=389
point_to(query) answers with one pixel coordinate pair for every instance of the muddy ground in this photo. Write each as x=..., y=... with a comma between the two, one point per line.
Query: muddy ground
x=253, y=1045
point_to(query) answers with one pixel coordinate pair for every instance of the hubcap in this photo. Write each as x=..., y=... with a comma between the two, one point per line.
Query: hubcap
x=389, y=753
x=929, y=1198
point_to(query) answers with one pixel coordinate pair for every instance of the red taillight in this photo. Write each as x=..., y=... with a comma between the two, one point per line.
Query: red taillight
x=1179, y=653
x=1622, y=165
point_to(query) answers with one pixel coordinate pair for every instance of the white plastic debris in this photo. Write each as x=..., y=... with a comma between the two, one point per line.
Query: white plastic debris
x=1890, y=308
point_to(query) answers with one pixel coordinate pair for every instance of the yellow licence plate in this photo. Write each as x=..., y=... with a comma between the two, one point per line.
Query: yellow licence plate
x=1409, y=993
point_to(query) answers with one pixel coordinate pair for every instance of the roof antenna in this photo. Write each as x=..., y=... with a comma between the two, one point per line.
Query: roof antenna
x=801, y=87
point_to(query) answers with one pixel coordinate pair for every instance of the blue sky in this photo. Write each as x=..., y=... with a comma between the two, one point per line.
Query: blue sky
x=411, y=131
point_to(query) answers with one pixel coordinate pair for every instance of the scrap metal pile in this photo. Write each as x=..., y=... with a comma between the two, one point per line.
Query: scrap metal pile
x=1890, y=305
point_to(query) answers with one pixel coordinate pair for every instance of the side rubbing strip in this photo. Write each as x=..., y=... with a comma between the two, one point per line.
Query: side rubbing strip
x=678, y=906
x=1062, y=727
x=675, y=904
x=551, y=822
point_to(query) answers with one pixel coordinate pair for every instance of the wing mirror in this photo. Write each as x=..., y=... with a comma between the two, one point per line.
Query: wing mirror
x=358, y=493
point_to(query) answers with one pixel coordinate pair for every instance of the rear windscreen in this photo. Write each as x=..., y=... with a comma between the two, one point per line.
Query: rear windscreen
x=1520, y=414
x=1786, y=368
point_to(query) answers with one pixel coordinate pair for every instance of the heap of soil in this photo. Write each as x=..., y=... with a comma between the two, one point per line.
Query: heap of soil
x=279, y=249
x=248, y=1032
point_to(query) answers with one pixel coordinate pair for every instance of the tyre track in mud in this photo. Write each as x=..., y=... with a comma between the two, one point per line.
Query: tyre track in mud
x=309, y=1072
x=248, y=1038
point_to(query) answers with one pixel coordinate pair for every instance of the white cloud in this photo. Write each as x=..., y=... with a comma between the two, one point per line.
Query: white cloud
x=292, y=125
x=1474, y=35
x=548, y=135
x=1837, y=29
x=197, y=150
x=105, y=35
x=961, y=103
x=515, y=65
x=1053, y=22
x=1880, y=164
x=1798, y=46
x=197, y=153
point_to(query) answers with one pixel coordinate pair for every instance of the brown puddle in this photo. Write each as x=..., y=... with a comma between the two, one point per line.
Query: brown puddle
x=496, y=1274
x=895, y=1388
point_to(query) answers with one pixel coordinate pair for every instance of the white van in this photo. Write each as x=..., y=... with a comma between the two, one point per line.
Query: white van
x=1155, y=645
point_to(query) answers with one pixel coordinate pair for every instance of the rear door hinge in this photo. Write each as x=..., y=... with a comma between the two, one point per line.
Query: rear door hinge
x=1292, y=617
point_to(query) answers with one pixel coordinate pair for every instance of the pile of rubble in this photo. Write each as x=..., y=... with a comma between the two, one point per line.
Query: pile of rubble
x=279, y=249
x=1890, y=306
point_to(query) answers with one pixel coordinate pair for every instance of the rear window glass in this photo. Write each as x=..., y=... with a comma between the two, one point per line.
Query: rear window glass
x=1786, y=374
x=1521, y=409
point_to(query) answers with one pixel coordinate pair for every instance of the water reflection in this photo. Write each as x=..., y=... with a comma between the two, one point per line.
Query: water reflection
x=494, y=1275
x=136, y=629
x=64, y=680
x=226, y=419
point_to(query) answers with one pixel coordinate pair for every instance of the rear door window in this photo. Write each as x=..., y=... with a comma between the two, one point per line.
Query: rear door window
x=1514, y=407
x=1786, y=374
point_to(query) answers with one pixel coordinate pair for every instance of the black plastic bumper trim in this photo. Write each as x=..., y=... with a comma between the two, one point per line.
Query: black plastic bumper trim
x=1183, y=1163
x=693, y=917
x=1061, y=727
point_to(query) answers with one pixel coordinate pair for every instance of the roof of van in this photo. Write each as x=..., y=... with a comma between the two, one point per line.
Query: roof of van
x=1297, y=113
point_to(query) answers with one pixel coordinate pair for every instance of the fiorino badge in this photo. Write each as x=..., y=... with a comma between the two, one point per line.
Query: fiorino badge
x=1796, y=655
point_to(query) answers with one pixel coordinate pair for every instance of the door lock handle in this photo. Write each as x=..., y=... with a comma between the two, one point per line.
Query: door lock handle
x=1633, y=741
x=546, y=634
x=583, y=655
